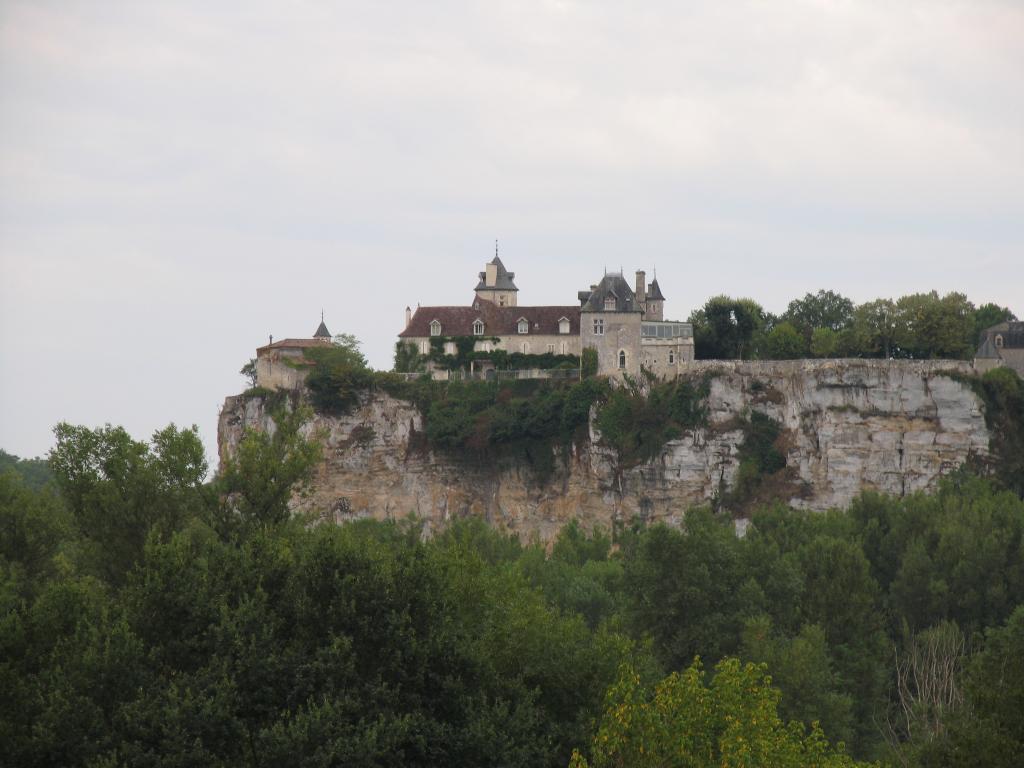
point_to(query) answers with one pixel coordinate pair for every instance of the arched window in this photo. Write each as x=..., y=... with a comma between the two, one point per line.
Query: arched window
x=435, y=328
x=671, y=357
x=999, y=340
x=478, y=328
x=524, y=325
x=563, y=325
x=622, y=359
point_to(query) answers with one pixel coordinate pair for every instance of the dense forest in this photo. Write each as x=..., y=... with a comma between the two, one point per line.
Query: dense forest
x=152, y=618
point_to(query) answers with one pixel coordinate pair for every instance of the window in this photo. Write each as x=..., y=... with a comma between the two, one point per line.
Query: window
x=478, y=328
x=449, y=347
x=524, y=325
x=435, y=328
x=526, y=348
x=551, y=349
x=999, y=340
x=671, y=357
x=563, y=347
x=424, y=347
x=501, y=300
x=563, y=325
x=609, y=303
x=599, y=326
x=622, y=360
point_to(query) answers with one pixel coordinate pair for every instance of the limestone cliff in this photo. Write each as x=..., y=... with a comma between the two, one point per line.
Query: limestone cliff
x=848, y=425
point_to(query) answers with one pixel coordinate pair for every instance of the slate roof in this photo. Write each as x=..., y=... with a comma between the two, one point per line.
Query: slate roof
x=612, y=284
x=1011, y=331
x=654, y=290
x=502, y=282
x=322, y=332
x=498, y=321
x=987, y=350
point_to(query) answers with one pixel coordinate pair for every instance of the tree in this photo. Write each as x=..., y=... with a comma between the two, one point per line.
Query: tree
x=724, y=328
x=689, y=721
x=824, y=309
x=339, y=375
x=783, y=342
x=875, y=327
x=931, y=327
x=120, y=490
x=824, y=342
x=249, y=371
x=258, y=482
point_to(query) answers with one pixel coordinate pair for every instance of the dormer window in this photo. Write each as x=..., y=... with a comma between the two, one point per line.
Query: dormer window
x=524, y=325
x=478, y=328
x=999, y=340
x=609, y=303
x=435, y=328
x=563, y=325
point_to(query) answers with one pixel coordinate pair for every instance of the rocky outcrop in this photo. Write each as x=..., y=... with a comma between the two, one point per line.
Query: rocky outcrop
x=848, y=425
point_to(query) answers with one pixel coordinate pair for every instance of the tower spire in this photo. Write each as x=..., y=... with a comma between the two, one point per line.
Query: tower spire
x=495, y=247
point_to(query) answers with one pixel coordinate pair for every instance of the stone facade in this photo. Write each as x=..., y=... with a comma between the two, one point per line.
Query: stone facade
x=283, y=364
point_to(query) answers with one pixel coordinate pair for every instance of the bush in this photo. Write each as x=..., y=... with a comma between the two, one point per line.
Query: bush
x=339, y=374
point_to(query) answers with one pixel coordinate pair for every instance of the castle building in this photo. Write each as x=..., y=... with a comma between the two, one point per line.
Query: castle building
x=283, y=364
x=626, y=327
x=1002, y=344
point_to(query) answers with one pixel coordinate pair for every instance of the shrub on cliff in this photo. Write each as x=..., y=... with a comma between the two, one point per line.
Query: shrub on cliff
x=339, y=375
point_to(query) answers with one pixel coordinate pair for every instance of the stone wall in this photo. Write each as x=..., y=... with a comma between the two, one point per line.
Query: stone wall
x=848, y=425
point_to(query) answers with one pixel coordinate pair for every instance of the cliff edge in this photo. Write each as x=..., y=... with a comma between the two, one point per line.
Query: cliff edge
x=846, y=426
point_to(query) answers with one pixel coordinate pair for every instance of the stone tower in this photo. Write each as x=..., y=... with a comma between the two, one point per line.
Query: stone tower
x=496, y=284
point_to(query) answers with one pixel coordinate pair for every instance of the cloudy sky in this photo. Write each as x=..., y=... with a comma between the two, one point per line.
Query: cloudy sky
x=178, y=180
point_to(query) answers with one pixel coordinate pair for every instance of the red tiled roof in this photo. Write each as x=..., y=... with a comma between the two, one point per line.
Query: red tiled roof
x=498, y=321
x=293, y=344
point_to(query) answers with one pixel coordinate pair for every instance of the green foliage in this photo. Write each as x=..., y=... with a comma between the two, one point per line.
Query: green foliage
x=691, y=721
x=1002, y=392
x=824, y=310
x=257, y=482
x=589, y=363
x=249, y=371
x=824, y=342
x=760, y=458
x=121, y=491
x=408, y=358
x=338, y=377
x=637, y=419
x=783, y=342
x=725, y=328
x=481, y=421
x=35, y=473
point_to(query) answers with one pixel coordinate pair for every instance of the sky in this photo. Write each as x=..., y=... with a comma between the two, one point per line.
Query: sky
x=178, y=180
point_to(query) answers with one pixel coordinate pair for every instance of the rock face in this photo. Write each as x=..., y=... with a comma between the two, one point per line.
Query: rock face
x=848, y=425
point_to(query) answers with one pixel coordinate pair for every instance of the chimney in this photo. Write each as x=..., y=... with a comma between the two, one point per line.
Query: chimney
x=408, y=316
x=271, y=338
x=641, y=287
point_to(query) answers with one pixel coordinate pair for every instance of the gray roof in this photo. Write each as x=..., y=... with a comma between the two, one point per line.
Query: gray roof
x=322, y=332
x=503, y=282
x=987, y=350
x=654, y=290
x=1012, y=332
x=612, y=284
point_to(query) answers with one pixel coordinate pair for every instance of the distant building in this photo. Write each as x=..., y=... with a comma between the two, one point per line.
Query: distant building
x=283, y=364
x=1002, y=344
x=626, y=327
